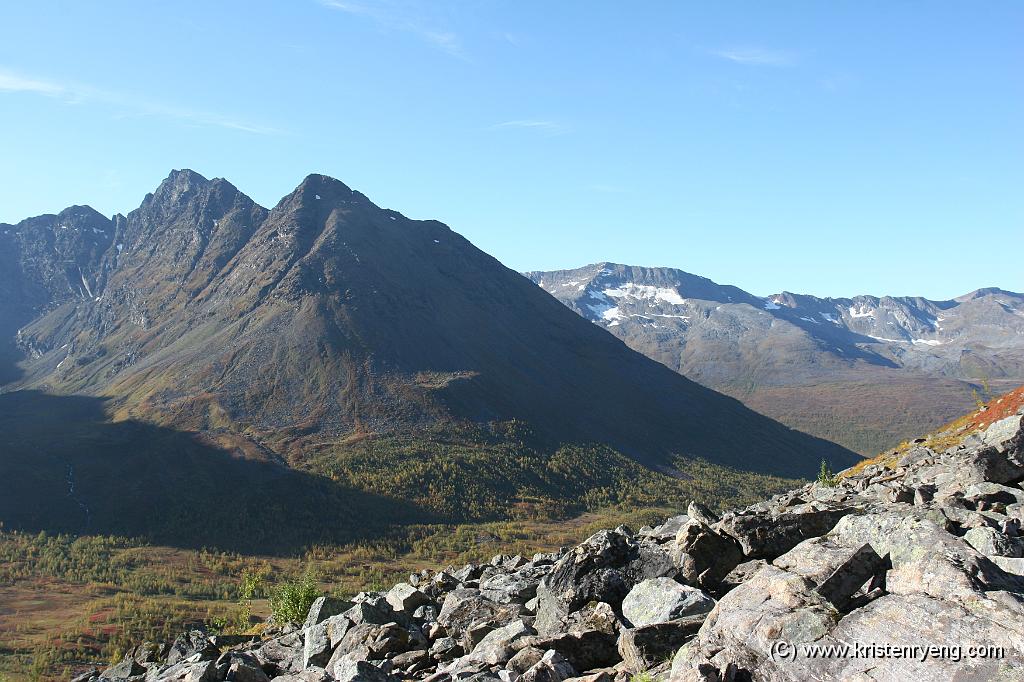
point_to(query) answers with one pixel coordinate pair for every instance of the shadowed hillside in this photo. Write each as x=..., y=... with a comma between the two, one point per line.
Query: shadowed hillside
x=65, y=468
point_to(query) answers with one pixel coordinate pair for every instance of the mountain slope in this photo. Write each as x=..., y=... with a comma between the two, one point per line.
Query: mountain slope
x=45, y=261
x=865, y=371
x=331, y=315
x=333, y=335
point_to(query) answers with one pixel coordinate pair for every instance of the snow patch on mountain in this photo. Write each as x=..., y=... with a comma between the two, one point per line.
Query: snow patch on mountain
x=643, y=291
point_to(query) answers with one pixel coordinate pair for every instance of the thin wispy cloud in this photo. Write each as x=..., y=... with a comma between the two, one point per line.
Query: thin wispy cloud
x=13, y=82
x=757, y=56
x=539, y=125
x=401, y=16
x=130, y=105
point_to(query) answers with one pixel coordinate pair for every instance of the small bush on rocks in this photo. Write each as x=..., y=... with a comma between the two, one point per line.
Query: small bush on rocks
x=291, y=600
x=826, y=477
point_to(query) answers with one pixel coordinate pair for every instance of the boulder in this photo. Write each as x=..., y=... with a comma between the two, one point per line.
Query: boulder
x=585, y=650
x=661, y=599
x=925, y=558
x=189, y=644
x=350, y=669
x=186, y=671
x=991, y=542
x=519, y=586
x=374, y=610
x=317, y=647
x=446, y=648
x=599, y=676
x=592, y=571
x=552, y=667
x=643, y=647
x=411, y=660
x=703, y=555
x=993, y=493
x=496, y=647
x=463, y=608
x=598, y=616
x=840, y=586
x=667, y=530
x=312, y=674
x=425, y=614
x=524, y=659
x=282, y=654
x=698, y=512
x=405, y=598
x=242, y=667
x=325, y=607
x=129, y=667
x=767, y=536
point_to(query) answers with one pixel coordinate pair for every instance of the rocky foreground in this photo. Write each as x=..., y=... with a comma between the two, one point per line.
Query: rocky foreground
x=910, y=570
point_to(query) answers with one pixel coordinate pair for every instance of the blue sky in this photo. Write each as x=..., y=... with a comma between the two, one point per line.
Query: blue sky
x=832, y=148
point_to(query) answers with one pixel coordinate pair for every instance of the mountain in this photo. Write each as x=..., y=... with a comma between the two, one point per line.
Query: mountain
x=863, y=371
x=387, y=354
x=45, y=261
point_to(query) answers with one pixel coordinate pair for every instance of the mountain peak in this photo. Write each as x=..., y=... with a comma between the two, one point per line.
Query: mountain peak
x=184, y=177
x=323, y=185
x=82, y=211
x=985, y=291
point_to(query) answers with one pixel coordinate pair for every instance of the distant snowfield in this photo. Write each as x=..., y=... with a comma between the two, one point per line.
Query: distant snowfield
x=644, y=291
x=861, y=311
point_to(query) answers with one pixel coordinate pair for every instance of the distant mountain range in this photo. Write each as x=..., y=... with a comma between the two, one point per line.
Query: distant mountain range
x=331, y=336
x=863, y=371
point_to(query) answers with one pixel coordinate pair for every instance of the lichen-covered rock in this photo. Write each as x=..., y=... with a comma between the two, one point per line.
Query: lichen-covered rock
x=992, y=543
x=351, y=669
x=585, y=650
x=242, y=667
x=325, y=607
x=646, y=646
x=405, y=598
x=189, y=644
x=129, y=667
x=463, y=608
x=552, y=667
x=496, y=646
x=768, y=535
x=703, y=555
x=660, y=599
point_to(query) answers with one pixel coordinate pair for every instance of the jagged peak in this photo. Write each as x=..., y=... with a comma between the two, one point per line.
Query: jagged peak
x=185, y=176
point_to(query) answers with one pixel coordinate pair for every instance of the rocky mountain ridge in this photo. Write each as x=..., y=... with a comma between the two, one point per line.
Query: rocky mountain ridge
x=385, y=358
x=908, y=567
x=206, y=308
x=767, y=351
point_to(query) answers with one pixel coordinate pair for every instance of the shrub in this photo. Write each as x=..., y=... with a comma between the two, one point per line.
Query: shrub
x=826, y=477
x=290, y=601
